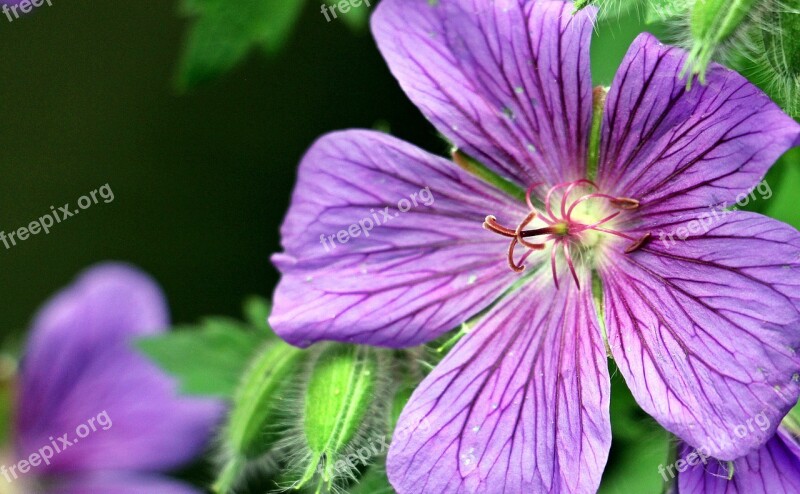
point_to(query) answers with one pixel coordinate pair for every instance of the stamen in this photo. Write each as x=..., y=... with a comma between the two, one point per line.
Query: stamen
x=564, y=231
x=595, y=225
x=528, y=195
x=491, y=224
x=518, y=232
x=575, y=204
x=614, y=232
x=568, y=257
x=639, y=243
x=518, y=268
x=553, y=263
x=625, y=203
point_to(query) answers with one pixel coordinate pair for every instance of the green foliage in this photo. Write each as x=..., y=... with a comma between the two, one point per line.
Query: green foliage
x=223, y=33
x=206, y=360
x=256, y=311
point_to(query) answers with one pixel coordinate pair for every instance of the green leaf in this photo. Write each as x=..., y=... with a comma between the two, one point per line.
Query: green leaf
x=256, y=312
x=223, y=33
x=206, y=361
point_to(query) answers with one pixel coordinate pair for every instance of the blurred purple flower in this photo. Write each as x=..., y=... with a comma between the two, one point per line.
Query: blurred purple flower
x=703, y=329
x=81, y=376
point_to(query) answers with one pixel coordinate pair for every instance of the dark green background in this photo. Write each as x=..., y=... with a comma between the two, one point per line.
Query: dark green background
x=201, y=180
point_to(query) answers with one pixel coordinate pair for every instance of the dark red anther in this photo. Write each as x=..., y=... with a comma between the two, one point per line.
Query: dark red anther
x=625, y=203
x=639, y=243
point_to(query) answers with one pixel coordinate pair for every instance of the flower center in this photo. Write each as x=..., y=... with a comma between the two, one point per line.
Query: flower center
x=578, y=224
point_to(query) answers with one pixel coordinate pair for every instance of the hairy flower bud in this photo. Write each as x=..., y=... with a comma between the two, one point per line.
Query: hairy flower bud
x=714, y=23
x=255, y=410
x=781, y=38
x=342, y=387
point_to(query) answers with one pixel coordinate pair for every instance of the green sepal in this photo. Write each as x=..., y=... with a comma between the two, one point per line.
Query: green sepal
x=792, y=420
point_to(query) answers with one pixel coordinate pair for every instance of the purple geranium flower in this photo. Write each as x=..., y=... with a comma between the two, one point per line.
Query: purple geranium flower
x=704, y=327
x=81, y=377
x=772, y=469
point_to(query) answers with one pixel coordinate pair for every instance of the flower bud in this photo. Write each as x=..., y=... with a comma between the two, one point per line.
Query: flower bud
x=782, y=41
x=781, y=37
x=713, y=23
x=255, y=409
x=341, y=391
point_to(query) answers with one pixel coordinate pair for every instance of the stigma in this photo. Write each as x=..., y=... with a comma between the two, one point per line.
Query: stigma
x=575, y=218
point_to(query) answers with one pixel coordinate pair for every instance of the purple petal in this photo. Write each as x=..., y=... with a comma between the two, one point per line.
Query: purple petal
x=706, y=330
x=139, y=484
x=677, y=150
x=773, y=469
x=510, y=84
x=80, y=371
x=520, y=405
x=416, y=275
